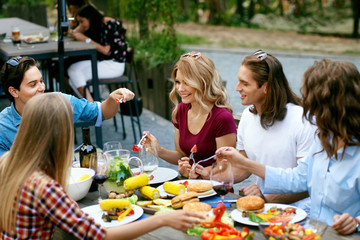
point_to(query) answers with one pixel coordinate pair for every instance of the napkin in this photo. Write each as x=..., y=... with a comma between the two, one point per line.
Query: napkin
x=142, y=217
x=213, y=201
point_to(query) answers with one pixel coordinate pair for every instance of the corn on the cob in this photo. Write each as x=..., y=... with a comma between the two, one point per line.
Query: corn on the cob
x=150, y=192
x=174, y=188
x=136, y=182
x=107, y=204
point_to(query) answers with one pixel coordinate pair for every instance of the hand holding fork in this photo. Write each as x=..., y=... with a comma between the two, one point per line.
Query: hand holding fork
x=136, y=148
x=204, y=160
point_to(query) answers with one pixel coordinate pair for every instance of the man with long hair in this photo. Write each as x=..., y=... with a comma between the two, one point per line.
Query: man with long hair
x=271, y=130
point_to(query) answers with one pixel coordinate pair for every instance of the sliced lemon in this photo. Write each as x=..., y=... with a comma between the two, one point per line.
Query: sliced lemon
x=83, y=177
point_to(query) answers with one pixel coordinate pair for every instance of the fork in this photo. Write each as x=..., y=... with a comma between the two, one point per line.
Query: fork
x=204, y=160
x=137, y=147
x=191, y=157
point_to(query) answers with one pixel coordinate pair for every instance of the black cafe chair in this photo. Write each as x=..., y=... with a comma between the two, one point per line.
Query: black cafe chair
x=124, y=81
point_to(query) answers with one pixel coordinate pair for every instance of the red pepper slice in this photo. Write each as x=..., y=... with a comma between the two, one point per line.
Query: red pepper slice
x=309, y=237
x=219, y=212
x=130, y=213
x=135, y=148
x=186, y=183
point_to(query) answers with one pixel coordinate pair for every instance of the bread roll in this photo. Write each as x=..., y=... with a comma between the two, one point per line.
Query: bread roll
x=197, y=207
x=202, y=188
x=180, y=200
x=250, y=204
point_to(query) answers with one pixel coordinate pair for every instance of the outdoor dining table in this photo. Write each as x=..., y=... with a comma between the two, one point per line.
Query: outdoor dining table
x=170, y=233
x=48, y=50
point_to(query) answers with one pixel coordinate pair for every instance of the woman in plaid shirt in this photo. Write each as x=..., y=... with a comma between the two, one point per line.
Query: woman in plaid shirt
x=33, y=172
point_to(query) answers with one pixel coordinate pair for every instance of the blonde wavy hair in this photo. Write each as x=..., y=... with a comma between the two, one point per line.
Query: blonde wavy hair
x=44, y=143
x=200, y=73
x=331, y=91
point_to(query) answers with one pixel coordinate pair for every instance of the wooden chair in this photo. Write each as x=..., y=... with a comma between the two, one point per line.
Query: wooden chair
x=125, y=81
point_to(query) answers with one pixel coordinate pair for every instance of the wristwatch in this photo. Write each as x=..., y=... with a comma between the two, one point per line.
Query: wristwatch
x=88, y=40
x=358, y=228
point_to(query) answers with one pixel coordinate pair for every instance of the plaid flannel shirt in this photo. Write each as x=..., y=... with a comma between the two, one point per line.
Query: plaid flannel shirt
x=39, y=213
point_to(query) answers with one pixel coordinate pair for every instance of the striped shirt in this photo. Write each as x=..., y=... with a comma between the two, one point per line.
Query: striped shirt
x=39, y=213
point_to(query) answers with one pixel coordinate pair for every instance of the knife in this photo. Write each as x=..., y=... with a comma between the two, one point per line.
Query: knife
x=225, y=201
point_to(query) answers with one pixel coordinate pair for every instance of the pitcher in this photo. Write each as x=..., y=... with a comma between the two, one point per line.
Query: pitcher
x=119, y=169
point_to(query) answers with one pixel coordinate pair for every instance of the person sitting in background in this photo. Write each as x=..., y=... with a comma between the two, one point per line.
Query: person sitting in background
x=203, y=118
x=22, y=80
x=108, y=35
x=40, y=159
x=330, y=171
x=272, y=130
x=74, y=6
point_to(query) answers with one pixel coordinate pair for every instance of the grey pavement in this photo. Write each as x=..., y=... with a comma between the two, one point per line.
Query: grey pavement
x=227, y=61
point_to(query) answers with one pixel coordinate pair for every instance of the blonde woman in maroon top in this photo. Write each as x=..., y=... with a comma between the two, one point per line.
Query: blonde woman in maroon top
x=203, y=118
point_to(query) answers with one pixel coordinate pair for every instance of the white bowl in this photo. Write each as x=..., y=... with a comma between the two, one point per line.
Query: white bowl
x=78, y=190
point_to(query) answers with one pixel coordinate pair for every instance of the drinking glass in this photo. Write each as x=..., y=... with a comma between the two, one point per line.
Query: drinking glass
x=149, y=157
x=222, y=178
x=121, y=167
x=101, y=167
x=112, y=145
x=16, y=34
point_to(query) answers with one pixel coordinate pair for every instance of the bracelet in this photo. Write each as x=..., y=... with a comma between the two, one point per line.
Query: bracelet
x=88, y=40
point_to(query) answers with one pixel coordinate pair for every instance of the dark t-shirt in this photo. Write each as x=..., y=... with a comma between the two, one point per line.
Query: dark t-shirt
x=113, y=34
x=219, y=123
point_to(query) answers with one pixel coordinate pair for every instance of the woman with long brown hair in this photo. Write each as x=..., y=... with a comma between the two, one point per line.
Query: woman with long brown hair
x=33, y=175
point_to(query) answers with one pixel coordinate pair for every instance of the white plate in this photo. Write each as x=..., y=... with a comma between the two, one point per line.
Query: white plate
x=163, y=174
x=35, y=39
x=96, y=212
x=237, y=215
x=163, y=193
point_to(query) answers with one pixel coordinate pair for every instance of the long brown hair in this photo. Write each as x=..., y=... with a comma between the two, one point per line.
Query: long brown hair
x=44, y=143
x=269, y=70
x=200, y=73
x=331, y=91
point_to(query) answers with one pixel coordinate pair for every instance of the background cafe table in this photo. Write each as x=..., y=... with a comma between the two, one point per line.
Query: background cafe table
x=48, y=50
x=168, y=233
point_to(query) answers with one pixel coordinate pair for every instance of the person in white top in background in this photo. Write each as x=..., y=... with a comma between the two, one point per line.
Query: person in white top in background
x=272, y=130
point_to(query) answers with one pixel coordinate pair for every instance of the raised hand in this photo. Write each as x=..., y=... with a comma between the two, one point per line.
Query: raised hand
x=184, y=167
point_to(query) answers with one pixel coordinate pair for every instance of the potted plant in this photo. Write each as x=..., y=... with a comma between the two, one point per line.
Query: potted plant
x=156, y=51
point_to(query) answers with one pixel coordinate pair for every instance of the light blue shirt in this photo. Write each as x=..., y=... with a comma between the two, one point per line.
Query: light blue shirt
x=10, y=119
x=333, y=185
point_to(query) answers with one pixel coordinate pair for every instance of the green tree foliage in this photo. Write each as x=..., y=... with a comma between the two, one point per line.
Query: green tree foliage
x=156, y=41
x=24, y=2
